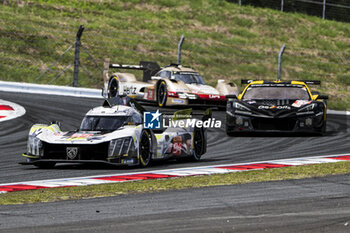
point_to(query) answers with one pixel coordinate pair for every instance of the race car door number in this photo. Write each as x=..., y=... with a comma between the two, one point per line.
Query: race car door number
x=129, y=90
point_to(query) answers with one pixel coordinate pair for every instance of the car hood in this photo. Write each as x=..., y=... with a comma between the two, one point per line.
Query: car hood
x=202, y=89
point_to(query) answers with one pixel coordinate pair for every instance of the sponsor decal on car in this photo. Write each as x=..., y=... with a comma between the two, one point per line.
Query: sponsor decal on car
x=79, y=136
x=273, y=107
x=214, y=96
x=129, y=90
x=178, y=101
x=299, y=103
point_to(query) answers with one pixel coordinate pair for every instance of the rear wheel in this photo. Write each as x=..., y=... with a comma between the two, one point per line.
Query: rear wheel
x=113, y=87
x=228, y=132
x=145, y=149
x=162, y=94
x=198, y=144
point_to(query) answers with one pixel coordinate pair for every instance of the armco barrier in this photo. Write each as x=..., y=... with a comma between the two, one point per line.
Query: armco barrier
x=49, y=89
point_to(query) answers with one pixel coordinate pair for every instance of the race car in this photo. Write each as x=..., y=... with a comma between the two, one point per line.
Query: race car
x=173, y=85
x=114, y=134
x=276, y=106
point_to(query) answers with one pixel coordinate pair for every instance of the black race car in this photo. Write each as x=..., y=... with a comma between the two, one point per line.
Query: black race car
x=276, y=106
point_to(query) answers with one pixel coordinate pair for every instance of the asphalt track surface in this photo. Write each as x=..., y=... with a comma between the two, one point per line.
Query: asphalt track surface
x=310, y=205
x=221, y=148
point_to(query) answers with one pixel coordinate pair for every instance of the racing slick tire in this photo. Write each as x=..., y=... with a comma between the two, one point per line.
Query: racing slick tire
x=162, y=93
x=228, y=131
x=145, y=154
x=323, y=129
x=198, y=144
x=113, y=87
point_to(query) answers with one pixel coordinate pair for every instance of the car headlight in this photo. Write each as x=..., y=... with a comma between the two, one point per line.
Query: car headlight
x=121, y=147
x=240, y=107
x=34, y=146
x=308, y=108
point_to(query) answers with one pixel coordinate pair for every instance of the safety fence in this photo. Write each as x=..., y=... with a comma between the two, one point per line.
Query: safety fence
x=327, y=9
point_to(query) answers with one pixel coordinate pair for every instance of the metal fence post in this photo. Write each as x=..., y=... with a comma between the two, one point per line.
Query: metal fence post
x=240, y=2
x=77, y=54
x=179, y=49
x=282, y=5
x=280, y=62
x=324, y=10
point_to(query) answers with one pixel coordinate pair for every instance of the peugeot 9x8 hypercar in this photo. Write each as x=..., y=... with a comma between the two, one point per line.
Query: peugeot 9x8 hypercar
x=113, y=134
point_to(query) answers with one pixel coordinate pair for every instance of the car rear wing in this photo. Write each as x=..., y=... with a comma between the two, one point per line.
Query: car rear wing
x=246, y=81
x=149, y=68
x=311, y=82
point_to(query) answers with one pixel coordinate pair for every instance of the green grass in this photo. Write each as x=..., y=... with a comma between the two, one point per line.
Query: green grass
x=148, y=186
x=222, y=40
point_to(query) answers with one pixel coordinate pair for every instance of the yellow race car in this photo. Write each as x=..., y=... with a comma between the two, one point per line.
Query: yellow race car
x=276, y=106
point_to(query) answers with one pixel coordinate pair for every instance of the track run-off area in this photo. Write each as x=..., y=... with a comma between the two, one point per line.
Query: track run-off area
x=221, y=148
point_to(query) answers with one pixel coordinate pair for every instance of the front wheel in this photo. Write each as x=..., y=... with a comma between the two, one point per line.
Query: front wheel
x=113, y=87
x=162, y=94
x=145, y=149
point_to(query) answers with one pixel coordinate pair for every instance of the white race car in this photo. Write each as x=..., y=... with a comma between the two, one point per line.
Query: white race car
x=113, y=134
x=173, y=85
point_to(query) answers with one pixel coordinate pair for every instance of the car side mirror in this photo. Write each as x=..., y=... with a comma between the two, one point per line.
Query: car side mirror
x=231, y=96
x=56, y=122
x=322, y=97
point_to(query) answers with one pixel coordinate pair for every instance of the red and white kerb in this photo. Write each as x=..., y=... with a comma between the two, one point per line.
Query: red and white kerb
x=9, y=110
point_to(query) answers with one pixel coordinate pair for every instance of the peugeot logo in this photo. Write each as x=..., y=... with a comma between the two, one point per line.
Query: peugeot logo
x=72, y=152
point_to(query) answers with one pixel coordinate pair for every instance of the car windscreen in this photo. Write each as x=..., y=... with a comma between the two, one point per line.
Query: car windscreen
x=103, y=123
x=276, y=92
x=189, y=78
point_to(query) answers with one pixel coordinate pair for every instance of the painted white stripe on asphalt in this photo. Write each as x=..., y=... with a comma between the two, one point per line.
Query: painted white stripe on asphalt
x=64, y=183
x=296, y=162
x=324, y=160
x=42, y=184
x=201, y=171
x=215, y=170
x=182, y=173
